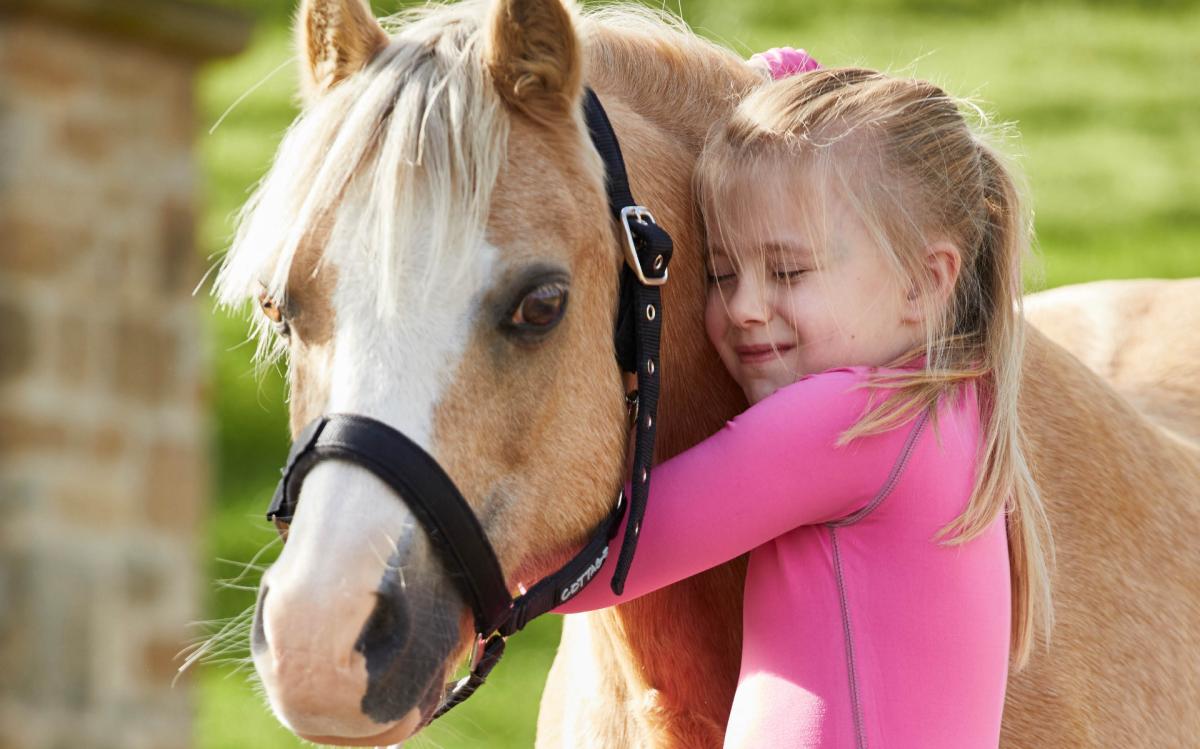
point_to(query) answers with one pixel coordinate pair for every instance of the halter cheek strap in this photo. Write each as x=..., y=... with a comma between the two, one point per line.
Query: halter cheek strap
x=648, y=250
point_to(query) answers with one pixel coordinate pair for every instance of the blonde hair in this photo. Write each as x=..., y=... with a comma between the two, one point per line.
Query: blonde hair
x=902, y=154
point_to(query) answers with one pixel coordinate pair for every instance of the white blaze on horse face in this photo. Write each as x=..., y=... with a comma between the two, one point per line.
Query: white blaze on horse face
x=394, y=367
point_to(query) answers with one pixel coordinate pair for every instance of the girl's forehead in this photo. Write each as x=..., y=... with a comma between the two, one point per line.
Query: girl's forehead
x=773, y=210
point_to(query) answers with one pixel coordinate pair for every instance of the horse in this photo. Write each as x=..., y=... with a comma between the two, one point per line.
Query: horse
x=437, y=190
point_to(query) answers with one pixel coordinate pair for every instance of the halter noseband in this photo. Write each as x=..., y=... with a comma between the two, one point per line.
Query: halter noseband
x=437, y=503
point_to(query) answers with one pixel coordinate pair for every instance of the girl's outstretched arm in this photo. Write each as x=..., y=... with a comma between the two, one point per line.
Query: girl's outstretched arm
x=771, y=469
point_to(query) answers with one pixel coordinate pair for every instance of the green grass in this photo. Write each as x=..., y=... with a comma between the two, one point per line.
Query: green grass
x=1105, y=99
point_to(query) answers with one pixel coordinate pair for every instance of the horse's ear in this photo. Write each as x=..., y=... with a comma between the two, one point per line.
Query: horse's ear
x=534, y=59
x=336, y=38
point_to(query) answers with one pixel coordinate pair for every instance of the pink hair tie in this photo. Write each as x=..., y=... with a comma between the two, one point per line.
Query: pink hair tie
x=785, y=61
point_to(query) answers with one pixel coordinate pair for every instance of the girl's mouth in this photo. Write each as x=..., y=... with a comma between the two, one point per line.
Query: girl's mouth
x=761, y=353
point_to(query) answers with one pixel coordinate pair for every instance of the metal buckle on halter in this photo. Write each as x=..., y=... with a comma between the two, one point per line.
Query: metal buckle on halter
x=641, y=215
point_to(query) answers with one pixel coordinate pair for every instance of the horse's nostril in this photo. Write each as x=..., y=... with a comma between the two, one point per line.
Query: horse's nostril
x=258, y=636
x=387, y=630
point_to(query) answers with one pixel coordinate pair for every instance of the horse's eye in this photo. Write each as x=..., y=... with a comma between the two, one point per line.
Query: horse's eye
x=271, y=309
x=540, y=309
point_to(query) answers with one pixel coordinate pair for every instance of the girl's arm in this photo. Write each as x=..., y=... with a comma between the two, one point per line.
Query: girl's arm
x=771, y=469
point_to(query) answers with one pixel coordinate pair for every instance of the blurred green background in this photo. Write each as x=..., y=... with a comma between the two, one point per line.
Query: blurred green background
x=1106, y=97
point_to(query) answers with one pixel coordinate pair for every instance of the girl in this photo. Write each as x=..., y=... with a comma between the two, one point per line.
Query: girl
x=864, y=291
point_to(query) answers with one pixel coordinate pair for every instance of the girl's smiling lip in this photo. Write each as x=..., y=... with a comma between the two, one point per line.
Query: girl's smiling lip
x=760, y=353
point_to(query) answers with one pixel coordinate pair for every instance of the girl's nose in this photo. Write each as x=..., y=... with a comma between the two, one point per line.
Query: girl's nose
x=748, y=305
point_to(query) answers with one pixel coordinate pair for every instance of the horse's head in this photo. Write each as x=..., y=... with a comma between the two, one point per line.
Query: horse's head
x=433, y=249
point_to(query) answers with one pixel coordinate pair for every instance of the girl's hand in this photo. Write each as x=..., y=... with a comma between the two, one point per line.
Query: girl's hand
x=780, y=62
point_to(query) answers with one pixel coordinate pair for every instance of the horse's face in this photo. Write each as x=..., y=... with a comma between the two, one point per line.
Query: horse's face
x=464, y=297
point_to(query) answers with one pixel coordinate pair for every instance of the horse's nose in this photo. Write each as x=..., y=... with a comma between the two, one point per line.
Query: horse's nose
x=305, y=649
x=386, y=633
x=357, y=619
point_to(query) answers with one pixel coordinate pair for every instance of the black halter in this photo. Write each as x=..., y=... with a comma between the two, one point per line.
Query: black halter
x=436, y=502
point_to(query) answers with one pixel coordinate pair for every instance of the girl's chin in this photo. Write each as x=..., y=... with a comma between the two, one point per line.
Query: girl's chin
x=758, y=389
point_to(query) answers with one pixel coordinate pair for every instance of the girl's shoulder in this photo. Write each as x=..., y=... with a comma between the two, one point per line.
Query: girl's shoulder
x=837, y=395
x=844, y=395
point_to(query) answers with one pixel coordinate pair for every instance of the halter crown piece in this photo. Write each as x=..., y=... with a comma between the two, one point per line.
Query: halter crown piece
x=437, y=503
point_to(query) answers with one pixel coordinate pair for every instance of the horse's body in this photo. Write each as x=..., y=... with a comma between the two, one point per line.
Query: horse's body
x=352, y=641
x=1140, y=336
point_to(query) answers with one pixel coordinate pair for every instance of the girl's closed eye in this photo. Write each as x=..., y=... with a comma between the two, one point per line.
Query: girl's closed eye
x=720, y=271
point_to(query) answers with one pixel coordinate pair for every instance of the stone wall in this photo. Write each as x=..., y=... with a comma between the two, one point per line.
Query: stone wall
x=103, y=440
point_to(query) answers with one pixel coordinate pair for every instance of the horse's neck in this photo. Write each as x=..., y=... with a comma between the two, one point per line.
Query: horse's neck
x=676, y=83
x=679, y=648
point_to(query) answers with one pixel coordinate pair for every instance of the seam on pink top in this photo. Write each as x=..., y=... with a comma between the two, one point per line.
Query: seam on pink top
x=892, y=479
x=860, y=739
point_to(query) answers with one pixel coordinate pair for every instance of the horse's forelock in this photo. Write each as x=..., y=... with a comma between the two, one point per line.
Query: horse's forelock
x=395, y=165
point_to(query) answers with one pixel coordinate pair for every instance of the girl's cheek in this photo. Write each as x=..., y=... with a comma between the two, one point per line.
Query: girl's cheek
x=715, y=321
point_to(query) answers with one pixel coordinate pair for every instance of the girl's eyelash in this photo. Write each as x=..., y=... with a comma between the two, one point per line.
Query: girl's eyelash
x=783, y=275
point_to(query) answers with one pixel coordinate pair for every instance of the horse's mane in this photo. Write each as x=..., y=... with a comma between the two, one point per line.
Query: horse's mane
x=418, y=139
x=688, y=70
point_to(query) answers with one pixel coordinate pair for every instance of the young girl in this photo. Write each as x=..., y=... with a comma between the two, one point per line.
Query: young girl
x=864, y=291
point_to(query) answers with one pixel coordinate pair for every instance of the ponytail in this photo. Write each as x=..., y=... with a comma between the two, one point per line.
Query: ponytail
x=992, y=310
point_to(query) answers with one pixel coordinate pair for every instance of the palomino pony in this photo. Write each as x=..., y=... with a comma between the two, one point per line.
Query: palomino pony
x=440, y=190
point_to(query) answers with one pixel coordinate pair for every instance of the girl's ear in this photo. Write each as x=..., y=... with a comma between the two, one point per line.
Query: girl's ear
x=941, y=265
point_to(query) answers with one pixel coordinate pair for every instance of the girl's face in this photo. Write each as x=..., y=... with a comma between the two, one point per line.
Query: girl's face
x=797, y=287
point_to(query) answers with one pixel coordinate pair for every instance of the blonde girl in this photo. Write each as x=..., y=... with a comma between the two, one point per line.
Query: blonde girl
x=864, y=291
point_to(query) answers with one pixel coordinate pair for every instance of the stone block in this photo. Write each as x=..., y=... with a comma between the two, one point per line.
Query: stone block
x=64, y=602
x=16, y=625
x=180, y=262
x=146, y=578
x=16, y=340
x=75, y=351
x=22, y=434
x=108, y=444
x=145, y=363
x=42, y=246
x=27, y=56
x=92, y=499
x=46, y=640
x=84, y=139
x=18, y=496
x=176, y=487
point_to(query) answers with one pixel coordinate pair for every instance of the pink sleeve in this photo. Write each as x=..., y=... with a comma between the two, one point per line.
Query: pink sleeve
x=771, y=469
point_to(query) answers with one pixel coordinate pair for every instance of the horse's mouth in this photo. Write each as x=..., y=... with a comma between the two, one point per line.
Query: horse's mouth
x=398, y=732
x=401, y=730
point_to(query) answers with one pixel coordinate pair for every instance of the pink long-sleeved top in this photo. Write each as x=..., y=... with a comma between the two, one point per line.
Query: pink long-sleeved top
x=859, y=630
